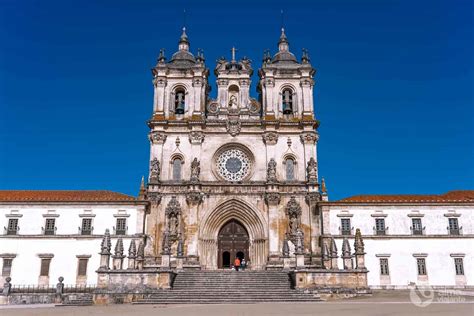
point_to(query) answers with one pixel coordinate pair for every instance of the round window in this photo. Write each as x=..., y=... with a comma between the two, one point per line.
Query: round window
x=233, y=164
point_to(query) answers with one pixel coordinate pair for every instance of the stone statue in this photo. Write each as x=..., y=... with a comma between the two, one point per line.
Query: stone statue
x=312, y=170
x=173, y=225
x=271, y=171
x=195, y=170
x=233, y=101
x=154, y=170
x=293, y=225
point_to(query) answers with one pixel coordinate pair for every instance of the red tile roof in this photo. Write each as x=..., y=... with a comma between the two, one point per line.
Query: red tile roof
x=451, y=196
x=63, y=196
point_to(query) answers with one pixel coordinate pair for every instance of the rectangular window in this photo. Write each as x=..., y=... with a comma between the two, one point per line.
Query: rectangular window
x=384, y=266
x=44, y=271
x=459, y=266
x=7, y=267
x=380, y=226
x=86, y=228
x=49, y=226
x=421, y=263
x=12, y=228
x=121, y=227
x=82, y=267
x=345, y=226
x=453, y=226
x=416, y=226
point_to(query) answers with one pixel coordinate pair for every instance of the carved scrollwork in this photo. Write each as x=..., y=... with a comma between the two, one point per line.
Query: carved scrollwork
x=157, y=138
x=213, y=107
x=255, y=106
x=272, y=198
x=196, y=137
x=155, y=170
x=154, y=197
x=233, y=127
x=270, y=138
x=309, y=138
x=312, y=171
x=194, y=197
x=271, y=171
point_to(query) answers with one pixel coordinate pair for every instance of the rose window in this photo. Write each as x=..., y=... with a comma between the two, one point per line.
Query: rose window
x=233, y=165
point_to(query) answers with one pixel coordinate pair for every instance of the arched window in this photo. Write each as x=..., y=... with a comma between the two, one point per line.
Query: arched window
x=287, y=101
x=179, y=101
x=290, y=169
x=177, y=169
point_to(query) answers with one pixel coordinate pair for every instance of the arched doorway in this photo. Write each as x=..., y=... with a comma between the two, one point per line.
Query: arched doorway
x=233, y=241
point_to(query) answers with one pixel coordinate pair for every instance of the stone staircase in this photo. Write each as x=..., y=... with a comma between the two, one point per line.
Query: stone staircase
x=229, y=287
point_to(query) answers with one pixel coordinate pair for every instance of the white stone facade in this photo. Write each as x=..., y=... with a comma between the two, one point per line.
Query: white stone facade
x=66, y=244
x=440, y=246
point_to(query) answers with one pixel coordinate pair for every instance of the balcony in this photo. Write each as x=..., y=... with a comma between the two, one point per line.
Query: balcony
x=11, y=231
x=380, y=231
x=49, y=231
x=120, y=231
x=454, y=231
x=417, y=231
x=346, y=231
x=85, y=230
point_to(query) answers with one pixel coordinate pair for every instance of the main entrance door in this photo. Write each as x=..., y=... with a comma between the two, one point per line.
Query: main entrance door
x=233, y=241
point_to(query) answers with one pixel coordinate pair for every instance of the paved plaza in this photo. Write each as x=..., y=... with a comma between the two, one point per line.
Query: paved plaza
x=381, y=303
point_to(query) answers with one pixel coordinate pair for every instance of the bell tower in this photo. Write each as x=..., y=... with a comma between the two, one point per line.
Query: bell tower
x=286, y=85
x=180, y=85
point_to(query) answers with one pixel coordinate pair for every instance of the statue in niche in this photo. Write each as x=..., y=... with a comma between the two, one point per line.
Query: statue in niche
x=154, y=170
x=271, y=171
x=173, y=225
x=293, y=225
x=312, y=170
x=233, y=101
x=195, y=170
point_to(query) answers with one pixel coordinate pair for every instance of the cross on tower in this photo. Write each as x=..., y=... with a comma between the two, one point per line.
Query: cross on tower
x=233, y=50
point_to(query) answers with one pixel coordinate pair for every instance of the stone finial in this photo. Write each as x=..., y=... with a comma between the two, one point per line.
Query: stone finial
x=106, y=244
x=358, y=242
x=180, y=248
x=118, y=252
x=7, y=286
x=271, y=171
x=142, y=191
x=299, y=247
x=323, y=186
x=285, y=249
x=141, y=250
x=346, y=248
x=132, y=249
x=325, y=252
x=60, y=286
x=333, y=248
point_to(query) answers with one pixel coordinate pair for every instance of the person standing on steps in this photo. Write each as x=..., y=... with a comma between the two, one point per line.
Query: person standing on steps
x=237, y=263
x=243, y=264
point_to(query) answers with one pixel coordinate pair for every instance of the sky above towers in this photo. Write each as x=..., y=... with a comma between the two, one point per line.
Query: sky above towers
x=393, y=86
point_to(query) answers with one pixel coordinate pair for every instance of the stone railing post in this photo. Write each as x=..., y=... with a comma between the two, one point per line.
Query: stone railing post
x=359, y=250
x=333, y=254
x=346, y=255
x=60, y=286
x=132, y=254
x=105, y=248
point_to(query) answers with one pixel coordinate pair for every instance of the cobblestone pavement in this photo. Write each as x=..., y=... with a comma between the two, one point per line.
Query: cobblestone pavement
x=381, y=303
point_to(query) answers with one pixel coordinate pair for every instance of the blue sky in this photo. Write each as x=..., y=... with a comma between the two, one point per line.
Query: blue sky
x=394, y=87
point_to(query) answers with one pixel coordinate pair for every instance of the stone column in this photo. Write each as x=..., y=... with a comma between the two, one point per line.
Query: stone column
x=315, y=227
x=326, y=257
x=140, y=255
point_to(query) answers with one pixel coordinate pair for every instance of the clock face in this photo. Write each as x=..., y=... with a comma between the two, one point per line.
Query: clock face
x=233, y=165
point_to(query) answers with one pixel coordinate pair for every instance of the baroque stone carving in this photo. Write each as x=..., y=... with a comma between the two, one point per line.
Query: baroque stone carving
x=196, y=137
x=309, y=138
x=293, y=211
x=194, y=197
x=312, y=197
x=157, y=138
x=312, y=171
x=213, y=107
x=118, y=251
x=195, y=170
x=358, y=242
x=233, y=126
x=272, y=198
x=154, y=170
x=106, y=245
x=270, y=138
x=154, y=197
x=255, y=106
x=173, y=215
x=271, y=171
